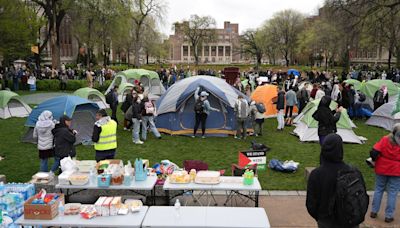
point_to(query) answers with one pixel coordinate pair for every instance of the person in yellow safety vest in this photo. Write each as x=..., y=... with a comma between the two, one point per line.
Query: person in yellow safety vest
x=104, y=136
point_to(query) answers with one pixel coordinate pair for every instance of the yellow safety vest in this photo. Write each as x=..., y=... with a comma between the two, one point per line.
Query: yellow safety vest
x=108, y=137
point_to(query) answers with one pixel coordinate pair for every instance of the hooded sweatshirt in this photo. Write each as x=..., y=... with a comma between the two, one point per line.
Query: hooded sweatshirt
x=326, y=118
x=64, y=140
x=42, y=131
x=321, y=185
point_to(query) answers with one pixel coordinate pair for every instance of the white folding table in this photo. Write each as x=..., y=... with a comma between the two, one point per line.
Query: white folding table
x=228, y=183
x=210, y=217
x=131, y=220
x=146, y=185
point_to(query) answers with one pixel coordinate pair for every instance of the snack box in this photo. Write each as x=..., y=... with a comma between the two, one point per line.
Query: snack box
x=86, y=165
x=115, y=205
x=104, y=180
x=106, y=206
x=99, y=204
x=42, y=211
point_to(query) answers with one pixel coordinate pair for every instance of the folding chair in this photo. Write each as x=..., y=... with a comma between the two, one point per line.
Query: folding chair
x=234, y=195
x=198, y=166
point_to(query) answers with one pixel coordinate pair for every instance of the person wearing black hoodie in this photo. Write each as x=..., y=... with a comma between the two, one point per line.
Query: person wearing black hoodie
x=64, y=139
x=321, y=186
x=326, y=118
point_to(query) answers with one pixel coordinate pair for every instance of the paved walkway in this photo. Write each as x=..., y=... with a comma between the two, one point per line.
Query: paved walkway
x=37, y=98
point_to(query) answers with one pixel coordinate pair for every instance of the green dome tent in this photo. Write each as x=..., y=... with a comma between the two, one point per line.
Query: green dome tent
x=124, y=89
x=92, y=95
x=149, y=79
x=386, y=116
x=357, y=84
x=11, y=105
x=369, y=88
x=307, y=127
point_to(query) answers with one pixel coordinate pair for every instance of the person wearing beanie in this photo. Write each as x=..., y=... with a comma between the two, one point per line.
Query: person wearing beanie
x=321, y=186
x=386, y=154
x=104, y=136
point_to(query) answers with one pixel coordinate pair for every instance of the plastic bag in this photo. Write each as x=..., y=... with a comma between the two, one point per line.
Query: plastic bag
x=286, y=167
x=67, y=164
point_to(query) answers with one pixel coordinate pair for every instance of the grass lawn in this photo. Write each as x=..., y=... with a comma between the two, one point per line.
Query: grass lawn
x=22, y=159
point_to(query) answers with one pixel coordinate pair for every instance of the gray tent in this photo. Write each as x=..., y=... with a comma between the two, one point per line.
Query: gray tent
x=386, y=116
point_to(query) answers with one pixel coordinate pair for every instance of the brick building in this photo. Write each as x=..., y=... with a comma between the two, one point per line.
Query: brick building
x=224, y=50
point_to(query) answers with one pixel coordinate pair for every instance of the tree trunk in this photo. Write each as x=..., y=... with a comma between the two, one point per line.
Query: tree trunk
x=287, y=60
x=147, y=57
x=54, y=42
x=127, y=57
x=137, y=48
x=390, y=58
x=326, y=62
x=397, y=57
x=88, y=51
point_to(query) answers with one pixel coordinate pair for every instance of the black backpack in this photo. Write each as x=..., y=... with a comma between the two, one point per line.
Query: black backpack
x=351, y=199
x=110, y=98
x=260, y=107
x=199, y=106
x=362, y=97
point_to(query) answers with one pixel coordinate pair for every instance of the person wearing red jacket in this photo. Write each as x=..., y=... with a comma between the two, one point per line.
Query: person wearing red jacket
x=386, y=154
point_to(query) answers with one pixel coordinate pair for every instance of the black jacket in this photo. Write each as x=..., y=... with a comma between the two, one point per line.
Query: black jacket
x=326, y=118
x=280, y=103
x=136, y=110
x=64, y=140
x=127, y=103
x=321, y=186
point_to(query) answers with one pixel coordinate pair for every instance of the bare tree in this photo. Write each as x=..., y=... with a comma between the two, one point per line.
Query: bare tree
x=142, y=9
x=284, y=28
x=198, y=31
x=252, y=44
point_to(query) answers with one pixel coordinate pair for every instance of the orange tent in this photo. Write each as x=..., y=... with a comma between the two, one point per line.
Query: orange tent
x=266, y=94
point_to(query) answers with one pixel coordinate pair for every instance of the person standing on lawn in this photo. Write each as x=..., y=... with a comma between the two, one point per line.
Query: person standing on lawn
x=202, y=109
x=125, y=106
x=136, y=118
x=242, y=112
x=323, y=189
x=386, y=154
x=381, y=97
x=280, y=106
x=112, y=100
x=148, y=113
x=104, y=136
x=291, y=101
x=257, y=119
x=326, y=118
x=64, y=140
x=304, y=97
x=42, y=132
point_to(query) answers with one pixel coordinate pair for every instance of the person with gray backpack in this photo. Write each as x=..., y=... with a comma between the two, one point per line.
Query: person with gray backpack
x=336, y=192
x=242, y=113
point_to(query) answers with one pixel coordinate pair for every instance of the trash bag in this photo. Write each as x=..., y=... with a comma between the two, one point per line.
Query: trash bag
x=285, y=167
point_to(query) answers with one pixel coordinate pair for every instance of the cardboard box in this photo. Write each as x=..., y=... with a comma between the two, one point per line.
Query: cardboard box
x=115, y=205
x=99, y=205
x=42, y=211
x=106, y=206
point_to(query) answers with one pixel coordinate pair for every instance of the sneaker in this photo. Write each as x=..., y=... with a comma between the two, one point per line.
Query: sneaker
x=389, y=220
x=370, y=162
x=139, y=142
x=125, y=129
x=203, y=137
x=373, y=215
x=236, y=137
x=159, y=137
x=193, y=136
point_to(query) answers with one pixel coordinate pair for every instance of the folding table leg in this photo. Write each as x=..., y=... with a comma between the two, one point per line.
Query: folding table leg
x=257, y=193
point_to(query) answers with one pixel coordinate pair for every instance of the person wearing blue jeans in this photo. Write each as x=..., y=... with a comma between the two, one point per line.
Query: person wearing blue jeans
x=136, y=118
x=386, y=154
x=148, y=112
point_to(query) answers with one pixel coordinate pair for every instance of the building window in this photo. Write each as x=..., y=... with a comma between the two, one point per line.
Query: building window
x=220, y=59
x=228, y=51
x=185, y=50
x=206, y=50
x=220, y=50
x=213, y=51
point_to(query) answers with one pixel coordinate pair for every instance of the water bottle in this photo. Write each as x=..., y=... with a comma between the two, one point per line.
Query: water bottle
x=2, y=189
x=60, y=209
x=177, y=208
x=93, y=177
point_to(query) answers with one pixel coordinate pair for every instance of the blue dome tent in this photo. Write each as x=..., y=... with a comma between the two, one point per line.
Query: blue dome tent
x=294, y=72
x=81, y=110
x=175, y=108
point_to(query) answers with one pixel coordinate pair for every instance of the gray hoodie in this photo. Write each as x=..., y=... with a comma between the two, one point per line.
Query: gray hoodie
x=42, y=131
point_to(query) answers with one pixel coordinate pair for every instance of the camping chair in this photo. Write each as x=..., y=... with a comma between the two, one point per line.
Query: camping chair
x=198, y=166
x=235, y=196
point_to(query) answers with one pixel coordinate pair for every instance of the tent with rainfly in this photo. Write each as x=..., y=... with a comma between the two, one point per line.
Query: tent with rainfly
x=175, y=108
x=149, y=79
x=11, y=105
x=357, y=84
x=92, y=95
x=82, y=112
x=386, y=116
x=307, y=127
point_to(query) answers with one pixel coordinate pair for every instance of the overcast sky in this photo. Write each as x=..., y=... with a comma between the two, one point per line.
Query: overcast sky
x=248, y=13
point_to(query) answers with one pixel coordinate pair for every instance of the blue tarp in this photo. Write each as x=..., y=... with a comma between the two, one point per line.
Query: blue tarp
x=59, y=106
x=294, y=72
